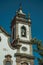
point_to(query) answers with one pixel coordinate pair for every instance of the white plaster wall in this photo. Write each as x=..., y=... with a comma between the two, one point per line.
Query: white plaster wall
x=4, y=44
x=27, y=32
x=28, y=48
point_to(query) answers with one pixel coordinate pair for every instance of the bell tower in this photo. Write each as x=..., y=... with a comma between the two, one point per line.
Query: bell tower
x=21, y=36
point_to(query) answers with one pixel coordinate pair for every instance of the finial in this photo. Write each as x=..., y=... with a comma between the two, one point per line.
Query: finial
x=20, y=6
x=29, y=15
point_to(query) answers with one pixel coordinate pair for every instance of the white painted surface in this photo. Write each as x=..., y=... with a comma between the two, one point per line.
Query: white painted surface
x=27, y=38
x=28, y=48
x=8, y=50
x=21, y=12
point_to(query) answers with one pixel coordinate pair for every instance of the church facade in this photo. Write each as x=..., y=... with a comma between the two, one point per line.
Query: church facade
x=19, y=51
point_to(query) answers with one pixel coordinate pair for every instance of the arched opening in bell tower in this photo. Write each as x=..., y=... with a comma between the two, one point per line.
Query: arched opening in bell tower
x=23, y=31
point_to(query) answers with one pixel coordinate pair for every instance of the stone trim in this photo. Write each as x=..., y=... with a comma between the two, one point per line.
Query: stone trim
x=20, y=60
x=4, y=31
x=4, y=62
x=20, y=41
x=25, y=42
x=7, y=59
x=8, y=56
x=24, y=55
x=17, y=43
x=23, y=22
x=19, y=20
x=24, y=63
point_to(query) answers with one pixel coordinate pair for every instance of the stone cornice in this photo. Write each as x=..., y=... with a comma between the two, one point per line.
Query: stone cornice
x=24, y=55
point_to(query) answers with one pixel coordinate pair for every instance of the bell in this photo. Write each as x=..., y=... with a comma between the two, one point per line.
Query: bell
x=23, y=33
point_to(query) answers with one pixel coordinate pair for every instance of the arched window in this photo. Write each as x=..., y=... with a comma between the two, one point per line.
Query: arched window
x=7, y=60
x=23, y=31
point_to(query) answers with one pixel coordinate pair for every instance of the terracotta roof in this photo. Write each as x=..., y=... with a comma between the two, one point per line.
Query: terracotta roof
x=4, y=31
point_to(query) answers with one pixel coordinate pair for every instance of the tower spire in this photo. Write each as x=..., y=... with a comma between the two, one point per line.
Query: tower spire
x=20, y=10
x=20, y=6
x=29, y=17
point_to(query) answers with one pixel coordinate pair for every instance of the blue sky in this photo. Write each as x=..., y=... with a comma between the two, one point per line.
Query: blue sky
x=35, y=7
x=8, y=9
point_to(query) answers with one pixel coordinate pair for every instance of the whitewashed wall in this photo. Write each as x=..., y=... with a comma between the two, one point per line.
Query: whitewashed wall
x=4, y=45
